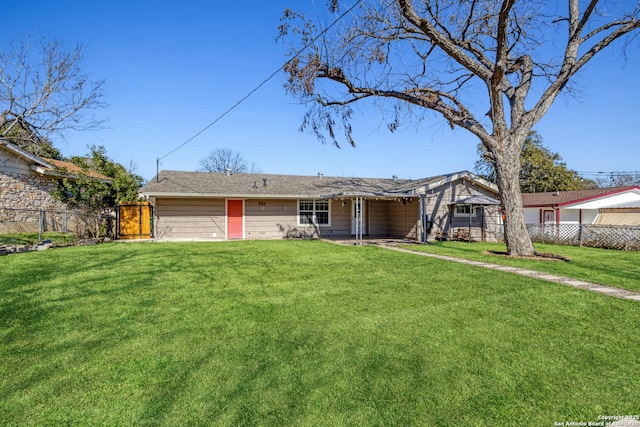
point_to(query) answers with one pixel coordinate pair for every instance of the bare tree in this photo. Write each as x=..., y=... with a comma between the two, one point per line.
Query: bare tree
x=225, y=159
x=44, y=91
x=619, y=179
x=491, y=67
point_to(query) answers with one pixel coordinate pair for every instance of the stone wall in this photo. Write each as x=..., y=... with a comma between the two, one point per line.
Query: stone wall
x=27, y=193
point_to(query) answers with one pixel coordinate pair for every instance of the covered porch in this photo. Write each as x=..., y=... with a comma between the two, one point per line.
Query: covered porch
x=472, y=218
x=387, y=216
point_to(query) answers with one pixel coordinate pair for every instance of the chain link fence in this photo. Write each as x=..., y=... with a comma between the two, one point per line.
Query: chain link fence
x=19, y=227
x=621, y=237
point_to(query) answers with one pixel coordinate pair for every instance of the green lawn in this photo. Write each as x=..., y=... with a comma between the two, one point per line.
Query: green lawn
x=57, y=238
x=302, y=333
x=607, y=267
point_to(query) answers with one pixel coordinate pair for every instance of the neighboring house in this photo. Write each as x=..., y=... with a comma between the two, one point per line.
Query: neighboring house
x=606, y=206
x=205, y=205
x=27, y=180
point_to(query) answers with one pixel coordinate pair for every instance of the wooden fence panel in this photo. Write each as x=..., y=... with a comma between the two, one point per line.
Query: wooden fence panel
x=134, y=220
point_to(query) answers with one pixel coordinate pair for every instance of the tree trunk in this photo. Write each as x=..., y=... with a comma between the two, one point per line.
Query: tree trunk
x=508, y=179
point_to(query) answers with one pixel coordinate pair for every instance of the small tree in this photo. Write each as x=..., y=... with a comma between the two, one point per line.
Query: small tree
x=619, y=179
x=225, y=159
x=44, y=91
x=85, y=191
x=541, y=170
x=493, y=68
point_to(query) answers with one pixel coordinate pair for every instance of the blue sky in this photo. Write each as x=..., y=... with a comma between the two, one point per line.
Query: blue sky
x=173, y=67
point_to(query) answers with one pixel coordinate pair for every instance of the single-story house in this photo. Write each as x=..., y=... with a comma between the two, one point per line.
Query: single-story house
x=27, y=180
x=206, y=205
x=604, y=206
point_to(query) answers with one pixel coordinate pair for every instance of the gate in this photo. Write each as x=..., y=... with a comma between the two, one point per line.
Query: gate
x=134, y=220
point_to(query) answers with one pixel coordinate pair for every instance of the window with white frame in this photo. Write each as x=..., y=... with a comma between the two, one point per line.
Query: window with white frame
x=464, y=210
x=313, y=212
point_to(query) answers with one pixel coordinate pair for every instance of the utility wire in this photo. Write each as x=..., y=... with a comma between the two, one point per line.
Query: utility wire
x=298, y=53
x=607, y=174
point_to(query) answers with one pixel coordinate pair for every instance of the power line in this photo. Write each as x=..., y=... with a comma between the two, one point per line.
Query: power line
x=608, y=174
x=272, y=75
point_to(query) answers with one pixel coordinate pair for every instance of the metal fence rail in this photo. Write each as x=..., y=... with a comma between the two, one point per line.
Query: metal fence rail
x=621, y=237
x=20, y=226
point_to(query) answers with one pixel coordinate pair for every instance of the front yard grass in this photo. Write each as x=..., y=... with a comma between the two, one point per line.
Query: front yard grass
x=302, y=333
x=604, y=266
x=57, y=238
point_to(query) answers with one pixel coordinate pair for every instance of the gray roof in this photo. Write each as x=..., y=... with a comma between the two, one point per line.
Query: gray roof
x=209, y=184
x=478, y=199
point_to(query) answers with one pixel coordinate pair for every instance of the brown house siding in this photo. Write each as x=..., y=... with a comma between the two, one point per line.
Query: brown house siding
x=378, y=223
x=268, y=219
x=275, y=215
x=340, y=219
x=263, y=219
x=289, y=228
x=277, y=219
x=403, y=219
x=486, y=216
x=190, y=218
x=441, y=212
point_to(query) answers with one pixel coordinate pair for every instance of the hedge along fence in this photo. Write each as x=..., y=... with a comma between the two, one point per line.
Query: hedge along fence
x=19, y=225
x=621, y=237
x=624, y=237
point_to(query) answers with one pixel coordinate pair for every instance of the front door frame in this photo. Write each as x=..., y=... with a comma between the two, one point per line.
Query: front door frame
x=228, y=220
x=549, y=216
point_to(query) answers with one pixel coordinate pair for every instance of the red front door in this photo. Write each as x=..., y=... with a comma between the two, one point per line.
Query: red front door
x=234, y=219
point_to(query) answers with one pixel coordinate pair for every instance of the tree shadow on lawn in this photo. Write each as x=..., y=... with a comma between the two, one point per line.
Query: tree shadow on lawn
x=539, y=256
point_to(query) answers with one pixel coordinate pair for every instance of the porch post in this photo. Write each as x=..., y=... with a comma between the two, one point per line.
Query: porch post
x=360, y=219
x=359, y=222
x=357, y=215
x=424, y=235
x=471, y=210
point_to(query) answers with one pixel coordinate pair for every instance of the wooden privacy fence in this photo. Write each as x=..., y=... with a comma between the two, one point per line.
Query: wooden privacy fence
x=135, y=220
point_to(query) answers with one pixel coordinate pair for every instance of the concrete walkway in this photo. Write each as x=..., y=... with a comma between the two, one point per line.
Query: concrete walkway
x=574, y=283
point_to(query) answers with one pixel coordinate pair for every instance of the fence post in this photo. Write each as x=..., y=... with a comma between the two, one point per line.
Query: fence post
x=40, y=224
x=580, y=230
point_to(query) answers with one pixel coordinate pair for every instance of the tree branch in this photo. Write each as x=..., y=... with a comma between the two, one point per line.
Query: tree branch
x=45, y=92
x=443, y=42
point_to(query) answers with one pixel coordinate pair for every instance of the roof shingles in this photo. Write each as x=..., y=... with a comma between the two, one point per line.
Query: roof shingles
x=558, y=198
x=211, y=184
x=199, y=183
